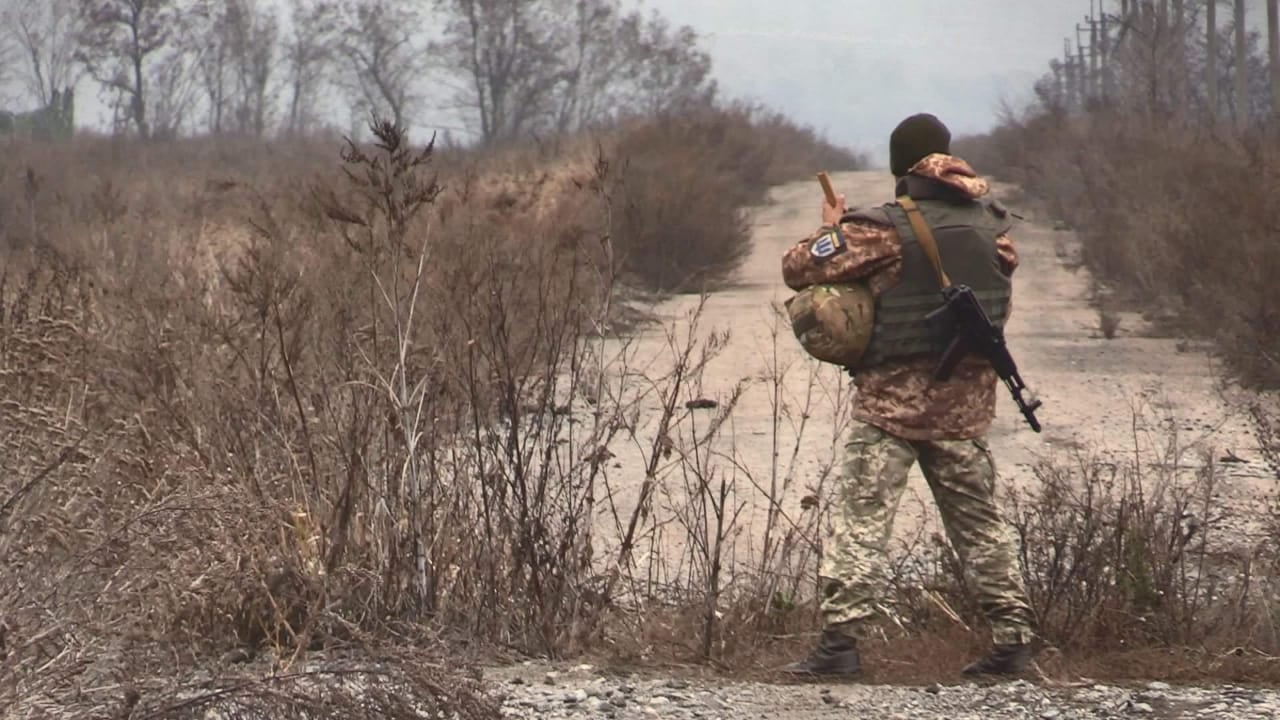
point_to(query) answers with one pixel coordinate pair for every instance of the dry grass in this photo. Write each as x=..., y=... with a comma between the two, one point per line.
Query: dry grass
x=1174, y=215
x=1177, y=216
x=347, y=415
x=261, y=404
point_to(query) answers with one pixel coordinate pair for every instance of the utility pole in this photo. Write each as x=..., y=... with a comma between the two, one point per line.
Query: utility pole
x=1094, y=53
x=1273, y=47
x=1108, y=77
x=1087, y=67
x=1212, y=62
x=1180, y=55
x=1072, y=81
x=1242, y=68
x=1086, y=89
x=1055, y=90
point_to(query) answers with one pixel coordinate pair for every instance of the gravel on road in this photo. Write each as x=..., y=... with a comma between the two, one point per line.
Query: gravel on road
x=539, y=691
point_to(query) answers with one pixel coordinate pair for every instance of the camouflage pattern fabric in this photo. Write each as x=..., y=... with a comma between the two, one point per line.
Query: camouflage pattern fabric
x=962, y=477
x=833, y=322
x=903, y=398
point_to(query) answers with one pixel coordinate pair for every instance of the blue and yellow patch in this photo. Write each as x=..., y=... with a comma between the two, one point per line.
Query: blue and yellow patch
x=828, y=246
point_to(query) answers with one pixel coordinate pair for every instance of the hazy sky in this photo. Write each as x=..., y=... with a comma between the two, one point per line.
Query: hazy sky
x=853, y=68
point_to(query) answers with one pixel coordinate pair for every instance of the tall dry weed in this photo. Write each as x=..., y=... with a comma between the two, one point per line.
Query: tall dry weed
x=1175, y=216
x=262, y=404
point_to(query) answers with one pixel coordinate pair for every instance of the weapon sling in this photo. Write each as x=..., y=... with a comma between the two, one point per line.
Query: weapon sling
x=927, y=242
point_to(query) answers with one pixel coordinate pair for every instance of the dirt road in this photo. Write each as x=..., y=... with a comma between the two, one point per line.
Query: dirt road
x=1104, y=397
x=1107, y=397
x=1101, y=396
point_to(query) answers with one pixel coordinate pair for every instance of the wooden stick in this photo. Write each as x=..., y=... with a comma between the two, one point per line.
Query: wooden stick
x=830, y=192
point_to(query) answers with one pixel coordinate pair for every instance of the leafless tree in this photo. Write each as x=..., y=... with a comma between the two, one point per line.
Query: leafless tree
x=257, y=52
x=561, y=65
x=1211, y=69
x=619, y=64
x=210, y=39
x=1169, y=63
x=235, y=43
x=1149, y=59
x=128, y=47
x=1273, y=54
x=44, y=37
x=8, y=53
x=309, y=53
x=511, y=54
x=385, y=60
x=668, y=68
x=1179, y=31
x=1241, y=65
x=591, y=62
x=172, y=91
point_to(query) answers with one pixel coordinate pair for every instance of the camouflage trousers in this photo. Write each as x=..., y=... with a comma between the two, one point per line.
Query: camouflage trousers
x=961, y=475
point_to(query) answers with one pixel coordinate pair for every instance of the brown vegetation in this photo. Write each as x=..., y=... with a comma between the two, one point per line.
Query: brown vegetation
x=261, y=402
x=1175, y=218
x=332, y=416
x=1167, y=182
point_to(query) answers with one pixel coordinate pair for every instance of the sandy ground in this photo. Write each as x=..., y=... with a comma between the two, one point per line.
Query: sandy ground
x=1106, y=397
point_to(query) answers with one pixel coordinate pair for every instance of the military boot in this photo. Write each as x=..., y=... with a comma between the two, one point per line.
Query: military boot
x=836, y=654
x=1002, y=660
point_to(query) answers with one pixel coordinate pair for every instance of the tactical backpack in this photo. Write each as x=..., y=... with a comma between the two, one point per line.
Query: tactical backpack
x=844, y=324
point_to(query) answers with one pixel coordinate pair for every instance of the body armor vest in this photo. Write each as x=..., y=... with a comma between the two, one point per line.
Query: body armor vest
x=966, y=232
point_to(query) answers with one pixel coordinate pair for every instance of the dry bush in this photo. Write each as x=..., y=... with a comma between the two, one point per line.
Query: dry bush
x=729, y=543
x=1121, y=557
x=258, y=449
x=135, y=541
x=678, y=223
x=1132, y=570
x=389, y=411
x=260, y=404
x=1175, y=215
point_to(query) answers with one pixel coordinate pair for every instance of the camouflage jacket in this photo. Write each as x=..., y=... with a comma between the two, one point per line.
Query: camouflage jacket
x=903, y=398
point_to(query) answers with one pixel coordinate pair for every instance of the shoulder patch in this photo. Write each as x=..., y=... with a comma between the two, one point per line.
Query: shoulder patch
x=872, y=215
x=827, y=245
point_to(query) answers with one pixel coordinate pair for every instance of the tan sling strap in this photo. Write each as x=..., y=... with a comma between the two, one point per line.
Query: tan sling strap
x=925, y=236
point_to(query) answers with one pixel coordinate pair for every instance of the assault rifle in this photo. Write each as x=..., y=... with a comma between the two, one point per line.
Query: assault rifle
x=962, y=318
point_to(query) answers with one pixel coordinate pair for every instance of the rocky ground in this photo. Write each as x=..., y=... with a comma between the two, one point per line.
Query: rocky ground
x=533, y=691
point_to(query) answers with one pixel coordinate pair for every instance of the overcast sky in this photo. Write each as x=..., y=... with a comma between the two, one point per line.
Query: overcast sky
x=853, y=68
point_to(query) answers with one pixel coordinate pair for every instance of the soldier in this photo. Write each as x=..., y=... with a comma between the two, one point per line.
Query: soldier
x=902, y=414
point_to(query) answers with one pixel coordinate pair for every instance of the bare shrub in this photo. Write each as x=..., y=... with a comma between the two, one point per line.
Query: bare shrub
x=260, y=405
x=678, y=224
x=1108, y=322
x=1166, y=212
x=1172, y=209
